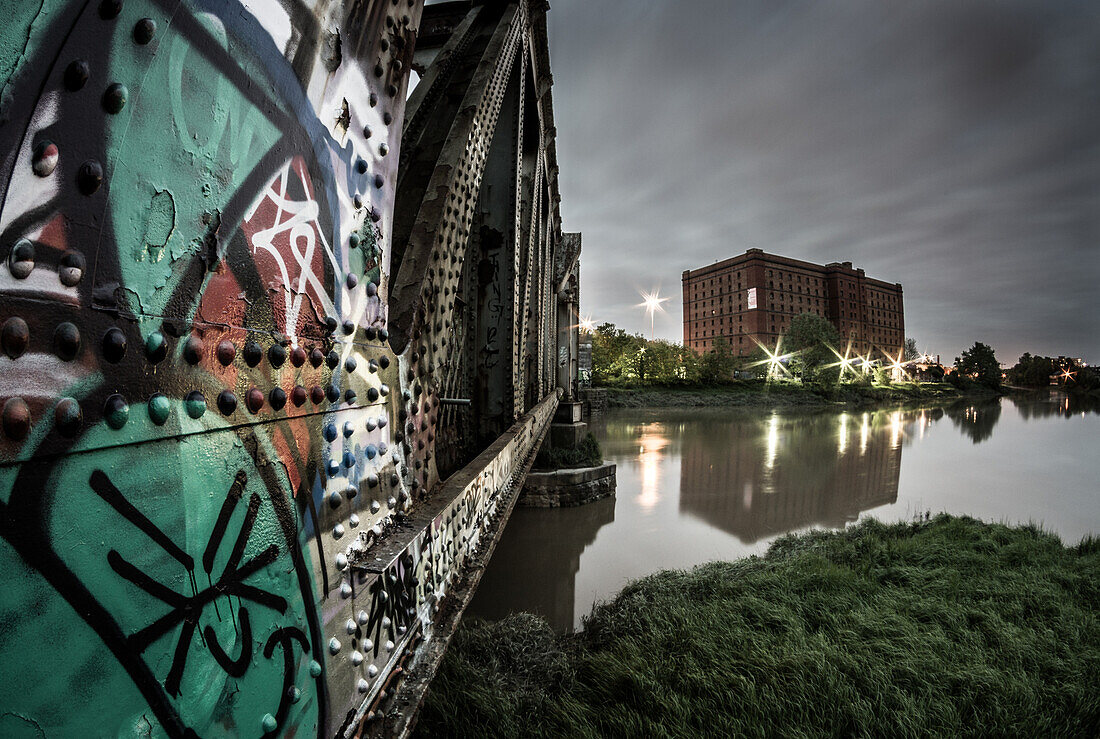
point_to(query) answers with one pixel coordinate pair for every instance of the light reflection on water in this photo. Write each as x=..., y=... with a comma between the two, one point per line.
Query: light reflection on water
x=696, y=485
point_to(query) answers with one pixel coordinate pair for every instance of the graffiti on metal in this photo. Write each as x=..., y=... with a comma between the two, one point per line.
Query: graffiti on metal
x=204, y=420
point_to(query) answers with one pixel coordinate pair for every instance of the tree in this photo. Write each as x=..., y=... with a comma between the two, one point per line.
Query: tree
x=911, y=353
x=1032, y=371
x=980, y=363
x=717, y=365
x=814, y=339
x=614, y=352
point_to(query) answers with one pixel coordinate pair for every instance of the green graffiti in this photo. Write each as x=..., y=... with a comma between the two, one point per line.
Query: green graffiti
x=214, y=139
x=206, y=598
x=160, y=222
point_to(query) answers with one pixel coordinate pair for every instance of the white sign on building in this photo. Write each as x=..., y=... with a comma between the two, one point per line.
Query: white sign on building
x=752, y=298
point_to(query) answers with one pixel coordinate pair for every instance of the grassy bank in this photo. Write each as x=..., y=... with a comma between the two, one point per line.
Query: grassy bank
x=949, y=627
x=783, y=395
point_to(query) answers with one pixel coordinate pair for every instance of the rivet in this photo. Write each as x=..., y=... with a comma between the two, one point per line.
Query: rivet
x=298, y=396
x=333, y=359
x=21, y=259
x=372, y=671
x=334, y=499
x=114, y=98
x=193, y=350
x=349, y=429
x=66, y=341
x=372, y=394
x=16, y=418
x=331, y=323
x=349, y=460
x=297, y=356
x=361, y=166
x=383, y=361
x=109, y=9
x=294, y=694
x=269, y=723
x=89, y=177
x=144, y=30
x=341, y=561
x=372, y=289
x=379, y=181
x=366, y=132
x=195, y=404
x=363, y=686
x=383, y=149
x=159, y=407
x=76, y=74
x=15, y=336
x=314, y=668
x=114, y=345
x=71, y=268
x=349, y=327
x=349, y=396
x=253, y=353
x=254, y=399
x=316, y=395
x=156, y=347
x=345, y=590
x=68, y=417
x=116, y=411
x=353, y=521
x=371, y=333
x=387, y=118
x=338, y=531
x=227, y=402
x=352, y=281
x=44, y=158
x=277, y=398
x=276, y=355
x=226, y=352
x=350, y=364
x=329, y=432
x=356, y=656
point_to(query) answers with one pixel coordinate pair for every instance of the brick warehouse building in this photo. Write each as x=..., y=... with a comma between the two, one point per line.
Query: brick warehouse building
x=755, y=295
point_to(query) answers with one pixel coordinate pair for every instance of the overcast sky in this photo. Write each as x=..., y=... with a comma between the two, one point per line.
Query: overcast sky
x=953, y=147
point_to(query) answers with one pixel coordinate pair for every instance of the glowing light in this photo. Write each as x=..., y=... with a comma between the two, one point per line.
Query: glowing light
x=895, y=429
x=652, y=304
x=773, y=442
x=587, y=324
x=864, y=431
x=1067, y=375
x=842, y=441
x=845, y=362
x=897, y=367
x=650, y=452
x=775, y=360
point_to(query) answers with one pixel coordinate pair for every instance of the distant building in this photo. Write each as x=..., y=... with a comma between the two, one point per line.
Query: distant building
x=755, y=296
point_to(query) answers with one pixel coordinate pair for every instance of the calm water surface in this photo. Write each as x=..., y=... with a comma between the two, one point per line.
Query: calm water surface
x=696, y=485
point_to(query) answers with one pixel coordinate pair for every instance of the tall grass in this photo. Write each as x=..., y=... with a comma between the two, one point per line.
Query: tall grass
x=948, y=627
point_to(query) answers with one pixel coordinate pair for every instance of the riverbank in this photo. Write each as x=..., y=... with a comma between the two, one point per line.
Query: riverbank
x=945, y=627
x=756, y=394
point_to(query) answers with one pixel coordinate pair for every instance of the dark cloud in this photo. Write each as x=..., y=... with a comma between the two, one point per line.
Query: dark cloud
x=952, y=147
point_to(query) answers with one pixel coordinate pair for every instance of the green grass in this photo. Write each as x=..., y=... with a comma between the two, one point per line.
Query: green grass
x=586, y=454
x=756, y=393
x=949, y=627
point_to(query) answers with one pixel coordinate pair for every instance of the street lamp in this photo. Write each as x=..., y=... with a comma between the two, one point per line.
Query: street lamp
x=652, y=303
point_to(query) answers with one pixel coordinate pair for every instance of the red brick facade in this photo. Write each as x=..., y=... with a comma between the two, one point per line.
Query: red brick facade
x=755, y=295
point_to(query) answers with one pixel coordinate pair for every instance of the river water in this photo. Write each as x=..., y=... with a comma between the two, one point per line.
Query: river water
x=696, y=485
